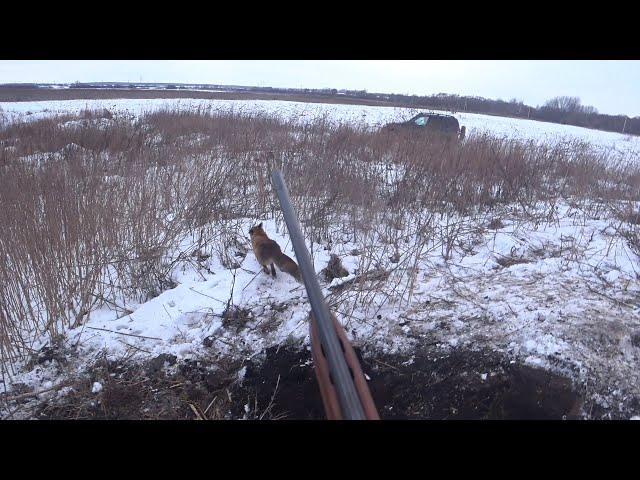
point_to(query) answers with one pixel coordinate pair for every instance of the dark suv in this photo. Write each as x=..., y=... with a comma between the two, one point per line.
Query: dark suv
x=430, y=122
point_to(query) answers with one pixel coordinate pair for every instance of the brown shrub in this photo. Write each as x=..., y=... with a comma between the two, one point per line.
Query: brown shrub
x=92, y=212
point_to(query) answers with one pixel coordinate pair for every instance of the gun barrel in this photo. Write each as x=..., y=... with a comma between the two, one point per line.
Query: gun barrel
x=350, y=403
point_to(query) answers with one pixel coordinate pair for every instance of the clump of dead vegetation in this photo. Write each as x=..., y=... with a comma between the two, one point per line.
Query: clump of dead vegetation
x=95, y=208
x=334, y=268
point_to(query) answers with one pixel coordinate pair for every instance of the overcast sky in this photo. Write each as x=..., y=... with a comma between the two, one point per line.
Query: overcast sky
x=610, y=86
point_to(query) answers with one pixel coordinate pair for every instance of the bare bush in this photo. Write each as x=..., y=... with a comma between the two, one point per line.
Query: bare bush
x=97, y=210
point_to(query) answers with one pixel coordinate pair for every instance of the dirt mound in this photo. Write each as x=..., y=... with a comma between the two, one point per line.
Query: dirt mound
x=468, y=385
x=460, y=385
x=161, y=388
x=281, y=384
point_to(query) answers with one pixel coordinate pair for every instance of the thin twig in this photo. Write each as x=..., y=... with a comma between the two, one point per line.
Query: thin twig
x=254, y=277
x=272, y=398
x=208, y=296
x=386, y=364
x=210, y=403
x=35, y=394
x=134, y=347
x=127, y=334
x=619, y=302
x=195, y=409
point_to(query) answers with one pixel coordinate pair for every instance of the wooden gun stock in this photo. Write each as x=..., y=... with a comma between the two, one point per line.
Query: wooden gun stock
x=327, y=389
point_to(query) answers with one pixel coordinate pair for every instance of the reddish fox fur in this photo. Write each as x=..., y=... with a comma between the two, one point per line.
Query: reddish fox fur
x=268, y=253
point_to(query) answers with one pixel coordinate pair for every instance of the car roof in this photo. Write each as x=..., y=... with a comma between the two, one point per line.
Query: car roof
x=428, y=114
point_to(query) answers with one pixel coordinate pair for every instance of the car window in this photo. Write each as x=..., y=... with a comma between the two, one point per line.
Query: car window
x=421, y=121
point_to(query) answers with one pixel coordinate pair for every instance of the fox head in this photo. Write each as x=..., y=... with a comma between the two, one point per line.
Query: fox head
x=257, y=230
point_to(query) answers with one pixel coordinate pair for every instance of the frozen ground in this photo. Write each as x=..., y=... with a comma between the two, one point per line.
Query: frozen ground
x=626, y=147
x=562, y=295
x=560, y=292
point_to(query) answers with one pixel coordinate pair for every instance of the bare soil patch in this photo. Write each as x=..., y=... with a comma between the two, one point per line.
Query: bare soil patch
x=281, y=385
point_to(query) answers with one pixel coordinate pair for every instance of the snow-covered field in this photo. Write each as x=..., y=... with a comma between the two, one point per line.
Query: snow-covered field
x=625, y=147
x=561, y=293
x=568, y=303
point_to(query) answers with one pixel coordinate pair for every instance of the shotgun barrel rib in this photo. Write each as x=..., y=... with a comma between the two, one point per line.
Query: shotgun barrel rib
x=344, y=376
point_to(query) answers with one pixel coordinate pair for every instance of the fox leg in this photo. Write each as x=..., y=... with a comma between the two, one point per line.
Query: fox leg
x=273, y=270
x=265, y=269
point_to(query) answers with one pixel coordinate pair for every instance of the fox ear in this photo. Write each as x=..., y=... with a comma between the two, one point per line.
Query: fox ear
x=260, y=225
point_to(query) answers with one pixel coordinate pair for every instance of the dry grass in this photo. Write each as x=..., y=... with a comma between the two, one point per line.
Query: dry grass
x=93, y=209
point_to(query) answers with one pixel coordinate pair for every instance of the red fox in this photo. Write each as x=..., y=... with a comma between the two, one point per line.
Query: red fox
x=268, y=252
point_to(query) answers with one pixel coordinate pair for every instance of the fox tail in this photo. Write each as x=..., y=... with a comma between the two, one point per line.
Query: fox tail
x=287, y=265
